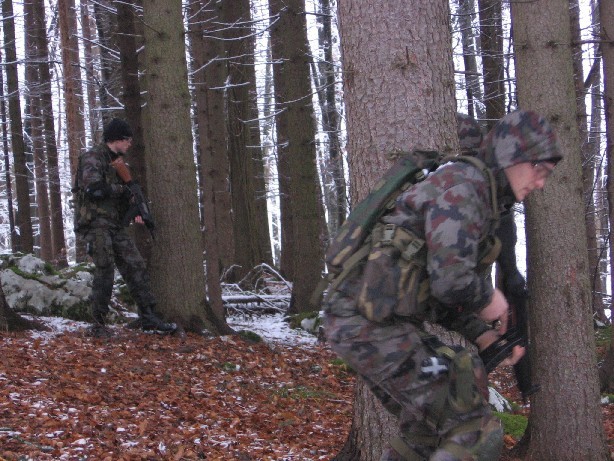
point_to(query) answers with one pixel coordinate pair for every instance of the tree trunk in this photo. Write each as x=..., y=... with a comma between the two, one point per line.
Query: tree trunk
x=296, y=136
x=466, y=11
x=399, y=94
x=129, y=40
x=177, y=262
x=556, y=244
x=334, y=185
x=208, y=76
x=91, y=81
x=39, y=37
x=246, y=169
x=23, y=221
x=589, y=162
x=73, y=94
x=606, y=14
x=491, y=41
x=109, y=90
x=7, y=167
x=35, y=131
x=11, y=321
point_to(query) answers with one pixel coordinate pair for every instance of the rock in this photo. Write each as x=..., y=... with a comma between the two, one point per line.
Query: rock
x=498, y=402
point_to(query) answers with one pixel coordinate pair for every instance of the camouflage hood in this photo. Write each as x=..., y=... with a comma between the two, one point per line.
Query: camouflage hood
x=470, y=134
x=520, y=136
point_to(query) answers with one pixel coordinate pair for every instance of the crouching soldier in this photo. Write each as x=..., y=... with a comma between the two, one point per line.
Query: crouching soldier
x=102, y=201
x=428, y=261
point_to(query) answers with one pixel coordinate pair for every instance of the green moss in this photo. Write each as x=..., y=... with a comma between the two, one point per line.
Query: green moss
x=79, y=311
x=296, y=319
x=250, y=336
x=513, y=425
x=340, y=367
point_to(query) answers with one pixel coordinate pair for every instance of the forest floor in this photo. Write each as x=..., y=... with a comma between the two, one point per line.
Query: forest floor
x=138, y=396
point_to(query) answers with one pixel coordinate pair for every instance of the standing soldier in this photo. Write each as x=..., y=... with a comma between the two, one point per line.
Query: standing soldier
x=103, y=200
x=375, y=317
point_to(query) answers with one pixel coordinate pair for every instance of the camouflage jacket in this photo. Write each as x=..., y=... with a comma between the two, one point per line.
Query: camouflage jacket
x=101, y=198
x=451, y=211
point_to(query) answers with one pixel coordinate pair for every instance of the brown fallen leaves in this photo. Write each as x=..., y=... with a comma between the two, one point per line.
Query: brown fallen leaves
x=146, y=397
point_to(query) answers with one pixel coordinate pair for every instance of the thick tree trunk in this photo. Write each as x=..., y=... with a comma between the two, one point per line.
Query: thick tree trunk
x=177, y=262
x=399, y=94
x=556, y=237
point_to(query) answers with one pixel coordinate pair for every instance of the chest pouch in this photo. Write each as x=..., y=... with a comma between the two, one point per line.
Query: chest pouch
x=394, y=279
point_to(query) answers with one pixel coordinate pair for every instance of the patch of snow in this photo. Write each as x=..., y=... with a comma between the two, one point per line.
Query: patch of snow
x=271, y=327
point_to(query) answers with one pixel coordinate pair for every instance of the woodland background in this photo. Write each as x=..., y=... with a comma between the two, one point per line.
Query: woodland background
x=258, y=124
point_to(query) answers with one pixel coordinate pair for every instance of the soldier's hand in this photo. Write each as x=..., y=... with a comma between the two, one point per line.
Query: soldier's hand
x=496, y=312
x=139, y=219
x=489, y=337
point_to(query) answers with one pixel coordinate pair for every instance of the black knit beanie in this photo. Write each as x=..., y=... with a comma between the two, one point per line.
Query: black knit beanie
x=116, y=130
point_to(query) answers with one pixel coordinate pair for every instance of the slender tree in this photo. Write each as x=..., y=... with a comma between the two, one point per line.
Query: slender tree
x=399, y=95
x=491, y=40
x=91, y=82
x=129, y=40
x=556, y=244
x=35, y=135
x=466, y=12
x=39, y=37
x=177, y=262
x=606, y=14
x=23, y=220
x=7, y=165
x=335, y=193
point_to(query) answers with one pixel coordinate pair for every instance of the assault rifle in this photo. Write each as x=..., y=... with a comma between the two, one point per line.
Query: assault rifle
x=138, y=202
x=516, y=335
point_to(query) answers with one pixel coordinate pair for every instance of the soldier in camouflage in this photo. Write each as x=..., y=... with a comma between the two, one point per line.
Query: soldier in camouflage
x=439, y=393
x=102, y=200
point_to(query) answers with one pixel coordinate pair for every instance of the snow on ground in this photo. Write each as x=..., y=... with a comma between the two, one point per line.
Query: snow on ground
x=271, y=327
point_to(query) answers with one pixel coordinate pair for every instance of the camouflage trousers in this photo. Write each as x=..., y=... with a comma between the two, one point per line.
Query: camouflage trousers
x=442, y=417
x=110, y=248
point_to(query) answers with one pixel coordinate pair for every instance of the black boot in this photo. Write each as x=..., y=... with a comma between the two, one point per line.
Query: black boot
x=99, y=329
x=150, y=321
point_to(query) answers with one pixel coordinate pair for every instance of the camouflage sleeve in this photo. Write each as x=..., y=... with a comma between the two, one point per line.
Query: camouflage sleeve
x=454, y=224
x=93, y=177
x=92, y=169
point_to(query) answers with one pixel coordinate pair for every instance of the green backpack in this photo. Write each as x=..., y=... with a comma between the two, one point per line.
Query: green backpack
x=393, y=279
x=350, y=246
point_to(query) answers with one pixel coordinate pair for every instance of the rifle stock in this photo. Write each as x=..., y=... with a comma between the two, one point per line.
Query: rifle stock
x=138, y=202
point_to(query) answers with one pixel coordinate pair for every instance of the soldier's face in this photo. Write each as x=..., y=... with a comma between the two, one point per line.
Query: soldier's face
x=526, y=177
